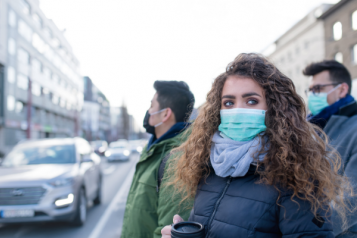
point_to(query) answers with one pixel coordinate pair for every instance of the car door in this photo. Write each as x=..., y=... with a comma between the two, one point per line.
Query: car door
x=87, y=167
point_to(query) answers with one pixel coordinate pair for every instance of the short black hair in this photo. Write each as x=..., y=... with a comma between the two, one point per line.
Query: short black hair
x=338, y=72
x=177, y=96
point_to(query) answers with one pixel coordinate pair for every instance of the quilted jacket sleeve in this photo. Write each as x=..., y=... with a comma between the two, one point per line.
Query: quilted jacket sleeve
x=297, y=221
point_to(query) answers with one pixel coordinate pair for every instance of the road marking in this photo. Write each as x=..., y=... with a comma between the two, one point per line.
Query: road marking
x=118, y=196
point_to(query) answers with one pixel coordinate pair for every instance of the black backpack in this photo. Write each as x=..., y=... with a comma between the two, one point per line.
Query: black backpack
x=160, y=174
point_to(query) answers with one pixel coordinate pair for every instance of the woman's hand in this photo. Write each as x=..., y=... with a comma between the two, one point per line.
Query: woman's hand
x=166, y=231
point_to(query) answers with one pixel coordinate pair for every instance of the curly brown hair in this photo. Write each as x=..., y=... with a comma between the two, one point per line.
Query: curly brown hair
x=298, y=158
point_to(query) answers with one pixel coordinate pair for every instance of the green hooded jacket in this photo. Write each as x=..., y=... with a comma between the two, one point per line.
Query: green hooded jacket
x=149, y=209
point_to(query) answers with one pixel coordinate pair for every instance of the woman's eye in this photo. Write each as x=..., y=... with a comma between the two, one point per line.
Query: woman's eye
x=252, y=102
x=227, y=104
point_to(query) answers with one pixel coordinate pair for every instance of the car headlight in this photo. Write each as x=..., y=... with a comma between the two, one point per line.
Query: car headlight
x=139, y=149
x=61, y=182
x=65, y=201
x=107, y=153
x=126, y=152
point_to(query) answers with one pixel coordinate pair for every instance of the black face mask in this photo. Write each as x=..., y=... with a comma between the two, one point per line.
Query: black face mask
x=149, y=129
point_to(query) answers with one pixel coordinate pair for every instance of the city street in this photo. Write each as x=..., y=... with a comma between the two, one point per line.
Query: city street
x=104, y=220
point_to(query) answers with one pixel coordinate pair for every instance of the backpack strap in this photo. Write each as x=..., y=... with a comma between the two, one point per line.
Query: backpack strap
x=160, y=174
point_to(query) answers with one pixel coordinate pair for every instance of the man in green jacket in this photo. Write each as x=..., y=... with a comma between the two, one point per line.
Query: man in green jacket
x=149, y=207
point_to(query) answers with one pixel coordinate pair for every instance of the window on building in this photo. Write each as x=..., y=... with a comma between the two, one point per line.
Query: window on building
x=23, y=56
x=306, y=45
x=25, y=31
x=337, y=31
x=25, y=6
x=11, y=74
x=38, y=43
x=36, y=66
x=12, y=18
x=36, y=89
x=354, y=54
x=23, y=61
x=55, y=99
x=63, y=103
x=354, y=20
x=55, y=42
x=10, y=103
x=11, y=47
x=55, y=78
x=22, y=81
x=48, y=33
x=19, y=107
x=297, y=50
x=38, y=20
x=339, y=57
x=47, y=73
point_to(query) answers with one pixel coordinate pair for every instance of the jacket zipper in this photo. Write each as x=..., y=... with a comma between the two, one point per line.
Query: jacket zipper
x=216, y=205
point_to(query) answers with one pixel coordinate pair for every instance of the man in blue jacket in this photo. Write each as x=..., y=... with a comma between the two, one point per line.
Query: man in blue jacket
x=335, y=111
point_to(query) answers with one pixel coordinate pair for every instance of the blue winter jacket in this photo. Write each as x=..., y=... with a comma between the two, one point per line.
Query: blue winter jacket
x=240, y=208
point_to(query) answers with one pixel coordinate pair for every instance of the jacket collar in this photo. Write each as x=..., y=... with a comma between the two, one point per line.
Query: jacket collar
x=348, y=110
x=172, y=132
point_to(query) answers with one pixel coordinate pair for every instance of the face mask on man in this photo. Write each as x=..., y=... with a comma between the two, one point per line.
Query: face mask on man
x=242, y=124
x=317, y=102
x=151, y=129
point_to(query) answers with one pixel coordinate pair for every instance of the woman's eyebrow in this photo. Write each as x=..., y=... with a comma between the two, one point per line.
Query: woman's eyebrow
x=229, y=96
x=250, y=94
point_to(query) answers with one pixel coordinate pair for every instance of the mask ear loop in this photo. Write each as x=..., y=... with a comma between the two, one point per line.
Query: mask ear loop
x=334, y=89
x=157, y=113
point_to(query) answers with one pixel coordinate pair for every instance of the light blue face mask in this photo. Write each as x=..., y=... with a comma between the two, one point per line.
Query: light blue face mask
x=241, y=124
x=317, y=102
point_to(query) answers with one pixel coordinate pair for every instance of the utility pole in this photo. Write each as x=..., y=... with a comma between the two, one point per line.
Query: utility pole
x=29, y=107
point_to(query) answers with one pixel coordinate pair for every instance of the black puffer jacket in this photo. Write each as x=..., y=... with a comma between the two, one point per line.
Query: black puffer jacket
x=240, y=208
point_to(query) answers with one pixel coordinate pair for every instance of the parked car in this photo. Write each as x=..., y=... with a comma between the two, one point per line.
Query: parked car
x=49, y=180
x=118, y=151
x=99, y=146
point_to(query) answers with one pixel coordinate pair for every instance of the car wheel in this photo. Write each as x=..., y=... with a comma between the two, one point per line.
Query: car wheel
x=98, y=199
x=81, y=210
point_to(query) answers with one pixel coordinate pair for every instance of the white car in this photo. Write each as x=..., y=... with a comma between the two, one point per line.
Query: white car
x=118, y=151
x=49, y=180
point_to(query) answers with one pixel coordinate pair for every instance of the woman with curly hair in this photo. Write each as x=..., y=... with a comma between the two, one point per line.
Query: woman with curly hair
x=254, y=165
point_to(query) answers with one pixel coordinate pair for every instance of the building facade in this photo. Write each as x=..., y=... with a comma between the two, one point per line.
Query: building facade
x=41, y=91
x=95, y=113
x=299, y=46
x=340, y=23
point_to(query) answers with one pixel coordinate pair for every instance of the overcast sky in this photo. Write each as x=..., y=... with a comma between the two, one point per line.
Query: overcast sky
x=125, y=45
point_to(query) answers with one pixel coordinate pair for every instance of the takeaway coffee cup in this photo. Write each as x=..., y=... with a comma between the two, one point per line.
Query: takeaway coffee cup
x=187, y=229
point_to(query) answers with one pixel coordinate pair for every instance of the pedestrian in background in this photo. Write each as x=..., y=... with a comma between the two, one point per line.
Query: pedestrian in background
x=256, y=167
x=334, y=110
x=148, y=206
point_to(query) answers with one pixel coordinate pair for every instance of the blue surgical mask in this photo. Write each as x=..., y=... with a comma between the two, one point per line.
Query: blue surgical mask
x=317, y=102
x=241, y=124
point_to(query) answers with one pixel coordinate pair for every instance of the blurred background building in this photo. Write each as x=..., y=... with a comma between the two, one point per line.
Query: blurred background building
x=299, y=46
x=123, y=125
x=95, y=113
x=327, y=32
x=340, y=25
x=41, y=91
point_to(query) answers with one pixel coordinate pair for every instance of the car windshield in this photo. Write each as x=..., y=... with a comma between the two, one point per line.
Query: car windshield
x=97, y=144
x=58, y=154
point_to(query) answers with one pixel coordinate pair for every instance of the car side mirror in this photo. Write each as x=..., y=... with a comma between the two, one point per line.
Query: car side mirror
x=86, y=158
